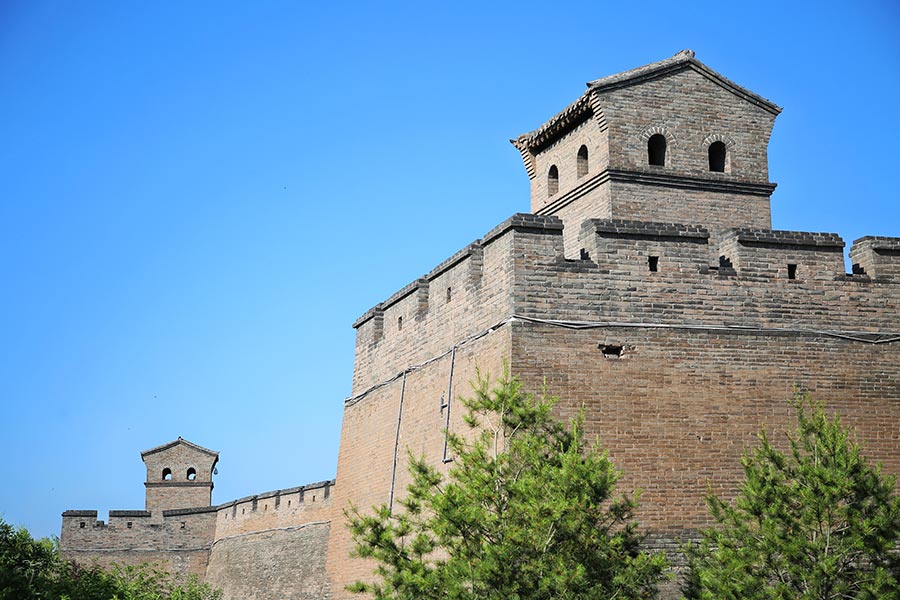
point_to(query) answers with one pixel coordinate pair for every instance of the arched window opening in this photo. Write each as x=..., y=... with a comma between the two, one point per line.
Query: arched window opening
x=167, y=474
x=582, y=161
x=191, y=474
x=656, y=150
x=717, y=155
x=552, y=180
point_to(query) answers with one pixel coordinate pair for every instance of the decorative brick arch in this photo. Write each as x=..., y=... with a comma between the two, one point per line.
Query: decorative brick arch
x=719, y=137
x=729, y=143
x=651, y=130
x=671, y=141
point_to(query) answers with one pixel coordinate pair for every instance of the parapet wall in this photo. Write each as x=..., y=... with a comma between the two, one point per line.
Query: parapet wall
x=276, y=509
x=631, y=271
x=271, y=545
x=179, y=541
x=461, y=297
x=878, y=257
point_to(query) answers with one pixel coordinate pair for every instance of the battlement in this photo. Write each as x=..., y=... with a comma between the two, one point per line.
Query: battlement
x=178, y=539
x=461, y=296
x=628, y=271
x=876, y=256
x=276, y=509
x=623, y=246
x=783, y=254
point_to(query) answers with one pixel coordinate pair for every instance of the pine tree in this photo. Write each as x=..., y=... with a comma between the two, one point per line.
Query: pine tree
x=817, y=522
x=527, y=511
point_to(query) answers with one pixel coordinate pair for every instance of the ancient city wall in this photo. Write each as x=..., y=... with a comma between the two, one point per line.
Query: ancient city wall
x=677, y=363
x=465, y=295
x=273, y=545
x=179, y=541
x=408, y=414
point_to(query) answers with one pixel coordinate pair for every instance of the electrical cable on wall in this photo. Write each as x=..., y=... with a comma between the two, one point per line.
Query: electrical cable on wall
x=852, y=336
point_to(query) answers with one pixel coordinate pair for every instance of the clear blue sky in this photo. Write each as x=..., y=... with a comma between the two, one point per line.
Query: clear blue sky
x=198, y=198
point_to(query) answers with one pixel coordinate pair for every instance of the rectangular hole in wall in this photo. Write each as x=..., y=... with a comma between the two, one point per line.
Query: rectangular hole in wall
x=792, y=271
x=653, y=263
x=611, y=350
x=128, y=524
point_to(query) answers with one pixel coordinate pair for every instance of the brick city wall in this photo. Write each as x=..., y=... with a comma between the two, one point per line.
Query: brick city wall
x=273, y=545
x=677, y=367
x=680, y=340
x=270, y=545
x=376, y=431
x=177, y=540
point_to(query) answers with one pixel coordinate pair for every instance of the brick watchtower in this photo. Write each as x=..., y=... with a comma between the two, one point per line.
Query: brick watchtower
x=671, y=142
x=179, y=475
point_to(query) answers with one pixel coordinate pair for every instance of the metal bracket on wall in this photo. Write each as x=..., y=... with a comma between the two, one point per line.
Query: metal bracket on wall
x=446, y=404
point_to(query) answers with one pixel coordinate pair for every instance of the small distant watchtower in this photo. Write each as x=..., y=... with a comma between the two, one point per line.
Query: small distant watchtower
x=179, y=475
x=670, y=142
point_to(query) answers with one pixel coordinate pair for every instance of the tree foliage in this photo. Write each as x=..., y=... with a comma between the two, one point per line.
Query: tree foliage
x=816, y=522
x=32, y=569
x=527, y=511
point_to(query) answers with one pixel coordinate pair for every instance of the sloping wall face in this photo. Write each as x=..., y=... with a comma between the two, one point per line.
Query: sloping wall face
x=377, y=431
x=273, y=545
x=287, y=564
x=679, y=407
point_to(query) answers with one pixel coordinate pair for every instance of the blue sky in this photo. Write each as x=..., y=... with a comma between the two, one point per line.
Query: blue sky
x=198, y=198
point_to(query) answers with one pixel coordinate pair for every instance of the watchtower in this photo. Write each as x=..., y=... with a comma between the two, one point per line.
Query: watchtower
x=671, y=142
x=179, y=475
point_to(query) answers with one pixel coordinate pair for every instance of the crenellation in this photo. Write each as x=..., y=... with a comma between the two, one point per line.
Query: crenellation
x=789, y=255
x=279, y=508
x=878, y=257
x=479, y=274
x=620, y=246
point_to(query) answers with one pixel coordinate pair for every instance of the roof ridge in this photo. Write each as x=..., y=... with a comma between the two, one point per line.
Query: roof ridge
x=180, y=440
x=685, y=58
x=584, y=104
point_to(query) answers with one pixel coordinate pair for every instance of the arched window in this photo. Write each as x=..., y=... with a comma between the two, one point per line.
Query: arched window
x=717, y=155
x=191, y=474
x=167, y=474
x=582, y=161
x=656, y=150
x=552, y=180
